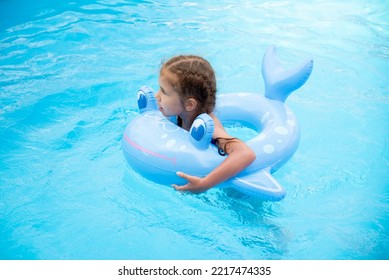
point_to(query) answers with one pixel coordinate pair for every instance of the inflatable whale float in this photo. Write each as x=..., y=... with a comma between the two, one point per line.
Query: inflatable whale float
x=157, y=148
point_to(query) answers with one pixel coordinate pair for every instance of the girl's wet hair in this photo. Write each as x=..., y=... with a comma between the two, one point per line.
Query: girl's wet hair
x=222, y=150
x=192, y=77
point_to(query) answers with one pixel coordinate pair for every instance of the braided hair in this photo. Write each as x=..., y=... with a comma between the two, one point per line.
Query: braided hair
x=192, y=77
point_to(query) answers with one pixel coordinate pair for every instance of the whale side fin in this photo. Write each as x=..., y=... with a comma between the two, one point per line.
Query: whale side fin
x=261, y=184
x=280, y=83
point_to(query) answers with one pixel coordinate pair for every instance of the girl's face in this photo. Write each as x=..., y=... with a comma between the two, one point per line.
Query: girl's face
x=169, y=102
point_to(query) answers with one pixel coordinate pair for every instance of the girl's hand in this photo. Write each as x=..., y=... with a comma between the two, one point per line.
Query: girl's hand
x=195, y=184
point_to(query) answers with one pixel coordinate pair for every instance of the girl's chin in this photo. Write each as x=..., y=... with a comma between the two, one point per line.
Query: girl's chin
x=163, y=112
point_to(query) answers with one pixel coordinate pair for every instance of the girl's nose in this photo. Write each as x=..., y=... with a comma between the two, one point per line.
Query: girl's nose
x=157, y=95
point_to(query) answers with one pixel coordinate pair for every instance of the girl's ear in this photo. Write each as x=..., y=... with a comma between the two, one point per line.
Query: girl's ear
x=190, y=104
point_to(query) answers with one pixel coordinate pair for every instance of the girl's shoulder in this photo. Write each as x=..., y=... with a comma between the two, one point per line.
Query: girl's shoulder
x=219, y=131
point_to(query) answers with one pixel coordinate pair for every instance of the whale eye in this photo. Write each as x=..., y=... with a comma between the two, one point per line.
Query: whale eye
x=198, y=129
x=142, y=100
x=201, y=131
x=146, y=99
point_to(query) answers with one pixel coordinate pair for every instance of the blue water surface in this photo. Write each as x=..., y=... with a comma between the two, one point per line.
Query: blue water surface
x=69, y=72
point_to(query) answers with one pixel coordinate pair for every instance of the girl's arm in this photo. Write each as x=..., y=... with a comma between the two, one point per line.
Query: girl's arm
x=239, y=157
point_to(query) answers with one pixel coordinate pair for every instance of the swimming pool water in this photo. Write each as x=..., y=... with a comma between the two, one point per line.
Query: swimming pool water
x=69, y=72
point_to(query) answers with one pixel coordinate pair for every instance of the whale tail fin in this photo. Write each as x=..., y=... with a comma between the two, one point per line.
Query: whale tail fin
x=280, y=83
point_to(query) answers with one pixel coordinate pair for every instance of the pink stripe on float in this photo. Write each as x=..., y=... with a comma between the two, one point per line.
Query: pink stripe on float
x=142, y=149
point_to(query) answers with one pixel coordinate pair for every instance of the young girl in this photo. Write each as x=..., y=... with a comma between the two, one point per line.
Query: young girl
x=188, y=89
